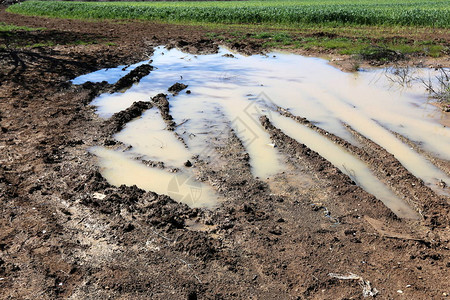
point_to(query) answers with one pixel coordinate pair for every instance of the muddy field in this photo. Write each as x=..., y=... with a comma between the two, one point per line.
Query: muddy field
x=309, y=233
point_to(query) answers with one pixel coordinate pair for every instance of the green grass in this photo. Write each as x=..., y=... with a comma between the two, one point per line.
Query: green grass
x=432, y=13
x=8, y=27
x=338, y=26
x=40, y=45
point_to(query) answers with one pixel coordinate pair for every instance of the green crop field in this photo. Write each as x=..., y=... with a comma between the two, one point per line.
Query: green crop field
x=291, y=13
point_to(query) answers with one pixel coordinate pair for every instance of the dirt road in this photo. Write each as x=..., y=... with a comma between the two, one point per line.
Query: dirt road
x=311, y=233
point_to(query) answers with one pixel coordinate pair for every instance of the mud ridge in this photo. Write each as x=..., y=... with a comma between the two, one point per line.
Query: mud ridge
x=161, y=102
x=95, y=89
x=131, y=78
x=118, y=120
x=235, y=173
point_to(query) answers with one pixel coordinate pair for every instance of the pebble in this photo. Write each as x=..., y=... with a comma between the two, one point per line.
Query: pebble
x=400, y=291
x=99, y=196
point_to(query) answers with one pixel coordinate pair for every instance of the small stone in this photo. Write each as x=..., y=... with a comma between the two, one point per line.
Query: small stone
x=99, y=196
x=188, y=164
x=400, y=291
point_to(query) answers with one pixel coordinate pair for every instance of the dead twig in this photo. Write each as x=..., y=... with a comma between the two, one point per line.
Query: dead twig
x=368, y=290
x=189, y=266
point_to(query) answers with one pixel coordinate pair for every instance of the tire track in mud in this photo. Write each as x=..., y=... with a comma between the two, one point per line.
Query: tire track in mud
x=373, y=160
x=342, y=185
x=420, y=196
x=217, y=179
x=441, y=163
x=390, y=171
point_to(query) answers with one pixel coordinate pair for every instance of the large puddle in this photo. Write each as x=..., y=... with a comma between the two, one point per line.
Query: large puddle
x=232, y=91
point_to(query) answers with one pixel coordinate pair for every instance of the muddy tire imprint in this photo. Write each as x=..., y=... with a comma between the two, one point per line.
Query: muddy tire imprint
x=389, y=170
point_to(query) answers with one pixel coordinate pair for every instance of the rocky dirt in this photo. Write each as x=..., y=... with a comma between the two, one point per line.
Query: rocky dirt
x=65, y=233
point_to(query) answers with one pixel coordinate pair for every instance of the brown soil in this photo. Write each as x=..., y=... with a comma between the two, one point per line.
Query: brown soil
x=290, y=238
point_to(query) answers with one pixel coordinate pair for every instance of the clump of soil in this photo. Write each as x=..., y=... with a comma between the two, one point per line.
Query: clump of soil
x=177, y=87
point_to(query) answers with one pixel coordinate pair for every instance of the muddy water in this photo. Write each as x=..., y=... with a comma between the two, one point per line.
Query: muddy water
x=232, y=92
x=239, y=114
x=119, y=168
x=148, y=139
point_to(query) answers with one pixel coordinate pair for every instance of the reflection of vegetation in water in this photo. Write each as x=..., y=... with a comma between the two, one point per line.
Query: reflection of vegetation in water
x=402, y=76
x=438, y=85
x=439, y=88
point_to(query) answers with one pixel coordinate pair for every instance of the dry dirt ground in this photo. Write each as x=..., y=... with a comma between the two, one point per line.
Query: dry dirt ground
x=310, y=233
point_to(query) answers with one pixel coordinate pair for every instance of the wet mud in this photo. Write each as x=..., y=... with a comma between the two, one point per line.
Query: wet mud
x=66, y=232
